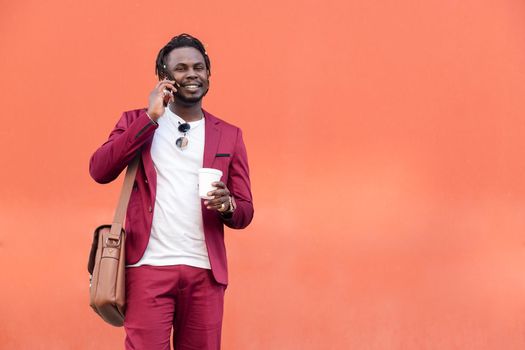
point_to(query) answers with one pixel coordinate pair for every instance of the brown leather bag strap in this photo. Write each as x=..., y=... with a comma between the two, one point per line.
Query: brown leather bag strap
x=125, y=194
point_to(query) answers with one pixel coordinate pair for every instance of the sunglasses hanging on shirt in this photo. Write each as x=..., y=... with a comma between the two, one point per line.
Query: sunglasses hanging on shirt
x=182, y=142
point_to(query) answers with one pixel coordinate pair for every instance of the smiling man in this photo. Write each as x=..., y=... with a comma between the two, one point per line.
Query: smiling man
x=176, y=259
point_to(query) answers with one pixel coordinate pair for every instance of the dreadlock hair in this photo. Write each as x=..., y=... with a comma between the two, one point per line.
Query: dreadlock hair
x=181, y=40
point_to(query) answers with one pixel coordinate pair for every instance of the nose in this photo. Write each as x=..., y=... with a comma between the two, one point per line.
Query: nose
x=191, y=74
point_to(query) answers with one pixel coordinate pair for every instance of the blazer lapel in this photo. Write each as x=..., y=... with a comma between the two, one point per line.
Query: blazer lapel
x=212, y=137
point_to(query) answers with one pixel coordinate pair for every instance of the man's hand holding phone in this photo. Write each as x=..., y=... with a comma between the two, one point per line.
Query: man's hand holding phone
x=159, y=98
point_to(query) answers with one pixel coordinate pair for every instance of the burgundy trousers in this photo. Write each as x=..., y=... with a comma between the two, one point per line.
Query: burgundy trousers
x=183, y=298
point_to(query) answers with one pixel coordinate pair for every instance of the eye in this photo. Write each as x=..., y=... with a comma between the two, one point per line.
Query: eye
x=199, y=67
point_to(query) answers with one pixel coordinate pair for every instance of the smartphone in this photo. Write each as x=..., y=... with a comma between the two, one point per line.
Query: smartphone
x=167, y=75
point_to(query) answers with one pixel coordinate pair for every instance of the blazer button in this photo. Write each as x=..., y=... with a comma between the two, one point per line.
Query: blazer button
x=150, y=209
x=146, y=180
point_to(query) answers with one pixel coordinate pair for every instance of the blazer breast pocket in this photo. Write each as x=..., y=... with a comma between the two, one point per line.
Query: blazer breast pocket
x=222, y=162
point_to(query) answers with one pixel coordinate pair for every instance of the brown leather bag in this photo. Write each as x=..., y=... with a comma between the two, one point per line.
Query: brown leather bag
x=107, y=263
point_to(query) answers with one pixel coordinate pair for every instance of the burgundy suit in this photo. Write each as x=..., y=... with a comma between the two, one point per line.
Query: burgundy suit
x=223, y=149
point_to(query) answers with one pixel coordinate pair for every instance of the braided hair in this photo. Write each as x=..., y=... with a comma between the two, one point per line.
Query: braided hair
x=181, y=40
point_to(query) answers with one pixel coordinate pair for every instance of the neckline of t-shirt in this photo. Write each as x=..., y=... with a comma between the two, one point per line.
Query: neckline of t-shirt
x=179, y=120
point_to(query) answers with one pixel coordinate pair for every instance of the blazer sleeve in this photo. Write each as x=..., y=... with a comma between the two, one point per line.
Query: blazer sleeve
x=239, y=185
x=132, y=130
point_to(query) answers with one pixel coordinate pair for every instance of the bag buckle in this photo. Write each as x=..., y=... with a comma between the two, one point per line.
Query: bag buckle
x=115, y=242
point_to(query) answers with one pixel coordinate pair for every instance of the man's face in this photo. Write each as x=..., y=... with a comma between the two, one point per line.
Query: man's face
x=188, y=68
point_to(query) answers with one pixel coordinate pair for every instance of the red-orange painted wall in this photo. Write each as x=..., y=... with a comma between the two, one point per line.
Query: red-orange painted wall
x=386, y=143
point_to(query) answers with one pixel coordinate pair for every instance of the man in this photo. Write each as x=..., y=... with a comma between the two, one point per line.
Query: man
x=176, y=260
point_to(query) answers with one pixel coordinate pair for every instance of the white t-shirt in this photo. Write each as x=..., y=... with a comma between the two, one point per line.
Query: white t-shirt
x=177, y=234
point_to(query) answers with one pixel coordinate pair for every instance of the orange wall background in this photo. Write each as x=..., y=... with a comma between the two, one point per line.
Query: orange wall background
x=386, y=144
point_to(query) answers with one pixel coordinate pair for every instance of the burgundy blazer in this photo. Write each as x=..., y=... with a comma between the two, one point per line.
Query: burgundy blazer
x=223, y=149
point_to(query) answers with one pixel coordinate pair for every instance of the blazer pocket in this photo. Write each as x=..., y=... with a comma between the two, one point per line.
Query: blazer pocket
x=222, y=162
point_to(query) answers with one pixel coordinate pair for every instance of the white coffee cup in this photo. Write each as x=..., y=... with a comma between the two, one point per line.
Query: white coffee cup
x=206, y=177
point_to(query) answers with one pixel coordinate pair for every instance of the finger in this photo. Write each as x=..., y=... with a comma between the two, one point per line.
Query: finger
x=160, y=82
x=213, y=203
x=219, y=198
x=167, y=97
x=167, y=85
x=166, y=91
x=218, y=184
x=216, y=203
x=219, y=193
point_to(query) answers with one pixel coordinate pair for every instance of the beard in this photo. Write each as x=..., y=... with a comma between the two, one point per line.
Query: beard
x=192, y=99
